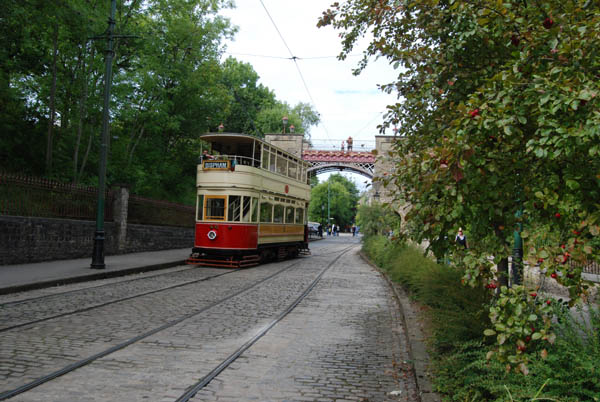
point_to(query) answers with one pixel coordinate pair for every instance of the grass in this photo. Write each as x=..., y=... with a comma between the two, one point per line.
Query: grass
x=458, y=316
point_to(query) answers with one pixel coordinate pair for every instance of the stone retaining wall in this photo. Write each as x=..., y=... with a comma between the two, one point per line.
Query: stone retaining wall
x=30, y=239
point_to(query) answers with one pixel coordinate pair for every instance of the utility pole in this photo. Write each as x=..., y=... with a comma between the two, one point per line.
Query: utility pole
x=99, y=235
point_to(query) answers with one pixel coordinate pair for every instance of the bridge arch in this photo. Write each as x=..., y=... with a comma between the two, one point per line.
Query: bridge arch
x=324, y=167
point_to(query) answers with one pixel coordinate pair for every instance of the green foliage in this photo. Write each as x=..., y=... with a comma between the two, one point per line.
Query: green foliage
x=302, y=117
x=522, y=319
x=377, y=219
x=339, y=196
x=457, y=314
x=498, y=117
x=457, y=319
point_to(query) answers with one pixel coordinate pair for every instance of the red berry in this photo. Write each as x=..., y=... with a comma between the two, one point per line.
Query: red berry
x=548, y=302
x=548, y=22
x=474, y=113
x=562, y=246
x=576, y=233
x=527, y=338
x=533, y=294
x=557, y=215
x=553, y=274
x=540, y=260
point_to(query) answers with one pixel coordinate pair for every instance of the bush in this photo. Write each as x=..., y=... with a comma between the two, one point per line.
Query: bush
x=458, y=315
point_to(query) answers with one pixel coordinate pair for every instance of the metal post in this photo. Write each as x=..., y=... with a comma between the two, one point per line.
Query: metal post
x=517, y=257
x=328, y=208
x=98, y=252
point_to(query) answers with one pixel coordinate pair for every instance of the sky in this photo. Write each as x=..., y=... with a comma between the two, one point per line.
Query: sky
x=348, y=105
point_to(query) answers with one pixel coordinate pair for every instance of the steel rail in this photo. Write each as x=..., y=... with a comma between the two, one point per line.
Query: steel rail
x=81, y=363
x=16, y=302
x=191, y=392
x=113, y=302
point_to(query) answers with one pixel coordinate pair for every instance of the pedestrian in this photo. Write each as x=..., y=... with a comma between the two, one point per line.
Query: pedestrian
x=353, y=230
x=206, y=155
x=320, y=230
x=461, y=239
x=342, y=146
x=349, y=142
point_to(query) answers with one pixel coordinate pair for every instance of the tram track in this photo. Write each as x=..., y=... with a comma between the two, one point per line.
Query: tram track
x=81, y=310
x=113, y=283
x=85, y=361
x=204, y=381
x=85, y=289
x=99, y=305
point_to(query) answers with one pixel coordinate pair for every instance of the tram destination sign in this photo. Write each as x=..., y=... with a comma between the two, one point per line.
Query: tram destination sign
x=215, y=165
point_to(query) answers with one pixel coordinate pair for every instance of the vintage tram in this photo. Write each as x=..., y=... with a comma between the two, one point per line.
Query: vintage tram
x=252, y=203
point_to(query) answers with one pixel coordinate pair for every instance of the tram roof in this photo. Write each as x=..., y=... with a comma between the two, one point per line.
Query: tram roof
x=237, y=139
x=229, y=138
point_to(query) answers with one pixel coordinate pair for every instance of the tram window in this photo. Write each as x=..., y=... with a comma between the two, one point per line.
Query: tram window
x=215, y=208
x=200, y=208
x=266, y=212
x=281, y=164
x=299, y=215
x=234, y=208
x=246, y=210
x=254, y=209
x=289, y=214
x=278, y=213
x=265, y=158
x=293, y=170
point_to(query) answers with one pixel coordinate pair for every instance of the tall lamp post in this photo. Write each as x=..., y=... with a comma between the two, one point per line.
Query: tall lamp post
x=98, y=252
x=328, y=208
x=285, y=122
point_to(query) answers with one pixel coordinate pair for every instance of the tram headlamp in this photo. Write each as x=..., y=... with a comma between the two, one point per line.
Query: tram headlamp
x=212, y=235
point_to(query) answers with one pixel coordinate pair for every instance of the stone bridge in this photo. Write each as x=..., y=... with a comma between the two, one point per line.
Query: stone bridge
x=366, y=163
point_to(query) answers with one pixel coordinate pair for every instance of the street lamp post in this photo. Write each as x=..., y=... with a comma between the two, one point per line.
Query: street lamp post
x=285, y=122
x=99, y=235
x=328, y=207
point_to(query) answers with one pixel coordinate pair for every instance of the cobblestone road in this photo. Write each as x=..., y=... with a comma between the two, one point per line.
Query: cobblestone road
x=343, y=342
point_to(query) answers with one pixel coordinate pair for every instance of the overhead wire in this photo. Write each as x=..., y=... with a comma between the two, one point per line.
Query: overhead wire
x=295, y=60
x=286, y=58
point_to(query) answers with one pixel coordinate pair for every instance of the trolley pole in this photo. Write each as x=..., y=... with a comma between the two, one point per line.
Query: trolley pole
x=99, y=235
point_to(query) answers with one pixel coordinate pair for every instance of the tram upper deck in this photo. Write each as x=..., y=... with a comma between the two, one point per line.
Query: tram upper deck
x=257, y=164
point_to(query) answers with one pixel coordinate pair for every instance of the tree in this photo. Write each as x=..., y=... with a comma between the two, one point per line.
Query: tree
x=377, y=219
x=498, y=117
x=245, y=96
x=301, y=116
x=338, y=197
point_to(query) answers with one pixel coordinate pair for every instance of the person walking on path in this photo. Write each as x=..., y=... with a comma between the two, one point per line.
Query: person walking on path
x=461, y=239
x=349, y=142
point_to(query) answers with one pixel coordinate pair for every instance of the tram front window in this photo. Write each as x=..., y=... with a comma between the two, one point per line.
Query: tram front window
x=215, y=208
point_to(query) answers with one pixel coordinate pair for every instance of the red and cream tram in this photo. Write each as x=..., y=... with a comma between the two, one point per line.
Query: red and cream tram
x=252, y=203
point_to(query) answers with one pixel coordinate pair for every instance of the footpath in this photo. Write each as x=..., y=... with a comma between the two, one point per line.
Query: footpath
x=22, y=277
